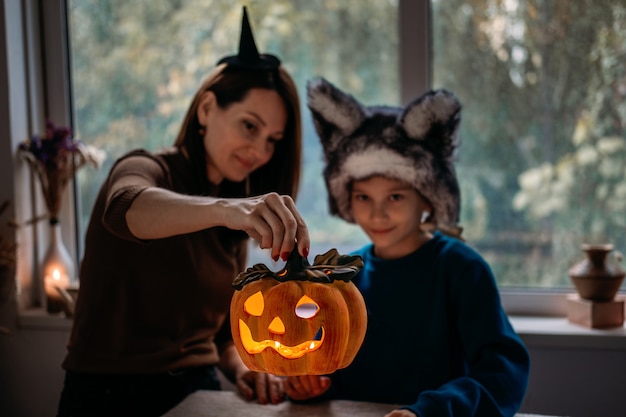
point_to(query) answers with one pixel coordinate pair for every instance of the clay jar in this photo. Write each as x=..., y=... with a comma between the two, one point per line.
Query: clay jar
x=596, y=278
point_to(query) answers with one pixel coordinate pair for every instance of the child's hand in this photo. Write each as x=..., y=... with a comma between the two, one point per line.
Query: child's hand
x=305, y=387
x=401, y=413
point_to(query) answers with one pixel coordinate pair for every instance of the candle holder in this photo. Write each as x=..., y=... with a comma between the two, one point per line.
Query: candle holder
x=302, y=320
x=57, y=270
x=54, y=158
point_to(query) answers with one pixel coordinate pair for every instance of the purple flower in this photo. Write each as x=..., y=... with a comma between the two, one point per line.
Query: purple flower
x=55, y=157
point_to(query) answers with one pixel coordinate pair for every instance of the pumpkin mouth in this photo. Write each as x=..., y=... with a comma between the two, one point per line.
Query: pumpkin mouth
x=290, y=352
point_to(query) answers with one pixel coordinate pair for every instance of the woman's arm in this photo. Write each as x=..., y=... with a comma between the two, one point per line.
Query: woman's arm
x=159, y=213
x=271, y=219
x=139, y=204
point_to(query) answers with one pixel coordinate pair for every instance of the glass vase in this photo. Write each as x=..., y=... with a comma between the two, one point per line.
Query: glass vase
x=57, y=269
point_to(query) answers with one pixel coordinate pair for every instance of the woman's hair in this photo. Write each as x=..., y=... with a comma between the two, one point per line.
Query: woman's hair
x=231, y=85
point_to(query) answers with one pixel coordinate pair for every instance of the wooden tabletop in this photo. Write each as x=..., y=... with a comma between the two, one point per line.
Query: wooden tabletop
x=229, y=403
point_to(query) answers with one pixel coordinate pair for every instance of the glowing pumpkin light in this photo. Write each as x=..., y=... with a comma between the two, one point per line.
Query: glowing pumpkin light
x=303, y=320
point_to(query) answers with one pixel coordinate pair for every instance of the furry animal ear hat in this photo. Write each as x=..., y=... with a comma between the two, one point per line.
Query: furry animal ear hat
x=415, y=144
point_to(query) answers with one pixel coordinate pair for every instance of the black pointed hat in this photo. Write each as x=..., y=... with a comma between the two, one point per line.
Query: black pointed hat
x=248, y=56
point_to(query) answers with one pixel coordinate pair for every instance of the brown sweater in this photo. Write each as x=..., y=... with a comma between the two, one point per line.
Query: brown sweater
x=151, y=306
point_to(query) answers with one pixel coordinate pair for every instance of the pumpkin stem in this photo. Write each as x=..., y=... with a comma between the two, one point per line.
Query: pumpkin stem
x=296, y=263
x=326, y=268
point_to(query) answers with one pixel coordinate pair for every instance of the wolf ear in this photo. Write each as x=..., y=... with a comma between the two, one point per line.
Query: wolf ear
x=434, y=118
x=336, y=114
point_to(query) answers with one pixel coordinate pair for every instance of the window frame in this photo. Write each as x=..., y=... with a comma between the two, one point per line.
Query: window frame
x=36, y=73
x=43, y=84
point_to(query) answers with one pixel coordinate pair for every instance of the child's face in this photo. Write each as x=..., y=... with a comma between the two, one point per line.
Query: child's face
x=389, y=212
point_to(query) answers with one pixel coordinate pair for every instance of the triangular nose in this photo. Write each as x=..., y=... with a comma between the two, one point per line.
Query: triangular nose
x=277, y=326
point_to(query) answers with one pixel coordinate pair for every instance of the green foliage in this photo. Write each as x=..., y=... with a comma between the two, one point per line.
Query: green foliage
x=137, y=64
x=543, y=86
x=544, y=128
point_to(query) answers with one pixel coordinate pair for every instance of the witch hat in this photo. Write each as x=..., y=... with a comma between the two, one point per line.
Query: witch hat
x=248, y=56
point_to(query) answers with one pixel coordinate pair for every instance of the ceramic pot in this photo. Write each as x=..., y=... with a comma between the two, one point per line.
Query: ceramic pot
x=596, y=277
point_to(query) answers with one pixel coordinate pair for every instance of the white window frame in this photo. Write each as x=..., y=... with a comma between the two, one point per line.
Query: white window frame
x=38, y=85
x=34, y=62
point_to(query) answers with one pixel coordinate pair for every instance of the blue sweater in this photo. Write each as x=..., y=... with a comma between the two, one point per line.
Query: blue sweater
x=438, y=341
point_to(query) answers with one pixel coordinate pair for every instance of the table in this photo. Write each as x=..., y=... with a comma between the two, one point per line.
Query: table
x=229, y=403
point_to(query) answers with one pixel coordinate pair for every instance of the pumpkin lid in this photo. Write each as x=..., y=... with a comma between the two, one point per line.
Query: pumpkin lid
x=326, y=268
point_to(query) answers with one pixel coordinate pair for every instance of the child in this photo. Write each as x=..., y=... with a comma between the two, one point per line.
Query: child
x=438, y=342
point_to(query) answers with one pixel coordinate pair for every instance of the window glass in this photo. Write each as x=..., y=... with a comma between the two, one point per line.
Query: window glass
x=135, y=66
x=543, y=136
x=543, y=153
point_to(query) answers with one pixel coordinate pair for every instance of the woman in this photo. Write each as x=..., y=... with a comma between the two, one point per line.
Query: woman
x=168, y=234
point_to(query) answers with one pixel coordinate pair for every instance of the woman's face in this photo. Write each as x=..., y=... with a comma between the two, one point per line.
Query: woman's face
x=241, y=138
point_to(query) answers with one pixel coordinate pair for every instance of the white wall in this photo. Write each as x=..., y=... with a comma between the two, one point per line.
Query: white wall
x=577, y=383
x=30, y=372
x=31, y=377
x=568, y=381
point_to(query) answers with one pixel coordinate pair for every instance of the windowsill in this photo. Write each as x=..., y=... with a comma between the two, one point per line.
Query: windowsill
x=38, y=319
x=559, y=333
x=536, y=332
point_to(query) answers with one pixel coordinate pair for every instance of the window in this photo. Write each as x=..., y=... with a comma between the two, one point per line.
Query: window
x=136, y=65
x=544, y=121
x=544, y=129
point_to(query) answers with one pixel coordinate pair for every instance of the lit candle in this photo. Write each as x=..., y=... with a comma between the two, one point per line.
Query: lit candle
x=57, y=271
x=56, y=276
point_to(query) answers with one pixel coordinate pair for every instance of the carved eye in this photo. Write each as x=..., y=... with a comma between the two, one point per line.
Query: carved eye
x=306, y=308
x=254, y=305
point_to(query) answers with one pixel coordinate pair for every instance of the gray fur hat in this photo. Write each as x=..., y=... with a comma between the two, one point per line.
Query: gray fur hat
x=415, y=144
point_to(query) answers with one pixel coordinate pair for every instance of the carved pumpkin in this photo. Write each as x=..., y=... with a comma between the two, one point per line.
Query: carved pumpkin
x=303, y=320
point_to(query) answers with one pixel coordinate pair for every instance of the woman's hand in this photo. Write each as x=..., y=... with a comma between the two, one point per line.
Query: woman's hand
x=305, y=387
x=265, y=387
x=272, y=220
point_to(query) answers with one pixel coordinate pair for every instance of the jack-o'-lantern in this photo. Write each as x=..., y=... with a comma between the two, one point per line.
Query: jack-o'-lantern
x=302, y=320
